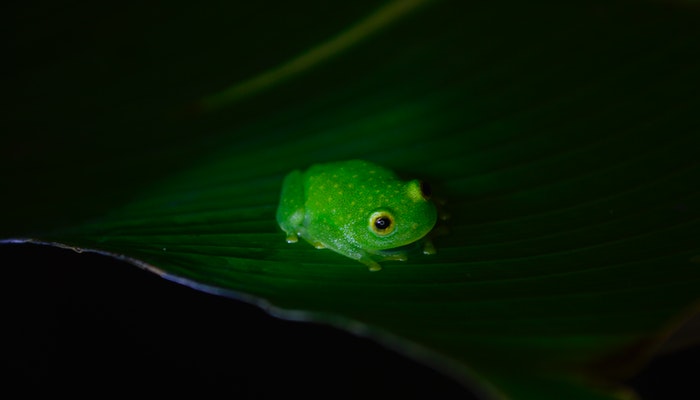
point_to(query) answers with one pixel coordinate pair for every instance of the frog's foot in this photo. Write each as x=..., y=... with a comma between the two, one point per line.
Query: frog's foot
x=373, y=266
x=429, y=247
x=318, y=245
x=292, y=238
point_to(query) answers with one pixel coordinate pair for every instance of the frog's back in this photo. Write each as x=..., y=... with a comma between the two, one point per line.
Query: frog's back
x=337, y=192
x=350, y=171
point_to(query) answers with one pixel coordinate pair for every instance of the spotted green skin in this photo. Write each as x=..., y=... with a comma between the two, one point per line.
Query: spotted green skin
x=332, y=206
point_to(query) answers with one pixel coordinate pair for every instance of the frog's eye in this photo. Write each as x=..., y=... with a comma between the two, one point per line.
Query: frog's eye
x=381, y=223
x=425, y=190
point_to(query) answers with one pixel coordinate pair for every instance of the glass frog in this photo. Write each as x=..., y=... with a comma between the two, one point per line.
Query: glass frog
x=358, y=209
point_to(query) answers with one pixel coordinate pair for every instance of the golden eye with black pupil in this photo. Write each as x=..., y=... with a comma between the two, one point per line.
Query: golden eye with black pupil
x=381, y=223
x=425, y=190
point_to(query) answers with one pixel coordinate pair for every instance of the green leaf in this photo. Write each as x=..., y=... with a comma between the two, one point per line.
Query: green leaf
x=564, y=139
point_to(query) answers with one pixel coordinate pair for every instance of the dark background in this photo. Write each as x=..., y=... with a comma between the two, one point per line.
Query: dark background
x=89, y=324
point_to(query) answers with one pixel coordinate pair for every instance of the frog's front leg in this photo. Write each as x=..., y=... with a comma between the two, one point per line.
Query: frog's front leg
x=370, y=263
x=290, y=213
x=354, y=252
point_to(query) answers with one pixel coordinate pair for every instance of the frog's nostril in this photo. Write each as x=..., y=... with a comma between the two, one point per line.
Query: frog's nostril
x=425, y=190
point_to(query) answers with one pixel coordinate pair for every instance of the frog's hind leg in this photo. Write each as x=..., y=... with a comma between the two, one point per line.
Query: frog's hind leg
x=290, y=212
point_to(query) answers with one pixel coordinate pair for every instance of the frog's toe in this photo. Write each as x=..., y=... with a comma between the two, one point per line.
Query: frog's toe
x=371, y=264
x=292, y=238
x=398, y=257
x=319, y=245
x=394, y=256
x=374, y=268
x=429, y=248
